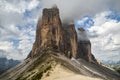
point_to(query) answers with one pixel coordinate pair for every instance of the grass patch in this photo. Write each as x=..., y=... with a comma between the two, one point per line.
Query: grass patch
x=39, y=61
x=39, y=75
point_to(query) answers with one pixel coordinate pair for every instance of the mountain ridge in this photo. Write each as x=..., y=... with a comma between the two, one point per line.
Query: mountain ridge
x=41, y=65
x=6, y=64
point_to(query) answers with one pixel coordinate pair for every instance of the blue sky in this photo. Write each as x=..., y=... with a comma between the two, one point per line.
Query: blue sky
x=100, y=18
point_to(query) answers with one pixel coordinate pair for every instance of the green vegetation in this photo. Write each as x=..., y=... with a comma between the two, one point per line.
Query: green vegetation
x=39, y=75
x=117, y=68
x=42, y=65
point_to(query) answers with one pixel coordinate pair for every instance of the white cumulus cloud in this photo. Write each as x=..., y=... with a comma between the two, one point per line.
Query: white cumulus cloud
x=106, y=44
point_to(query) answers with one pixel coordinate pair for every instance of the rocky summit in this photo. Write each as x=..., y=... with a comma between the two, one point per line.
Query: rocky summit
x=52, y=34
x=60, y=52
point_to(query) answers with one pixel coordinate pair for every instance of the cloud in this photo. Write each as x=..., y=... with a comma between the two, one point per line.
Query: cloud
x=18, y=6
x=15, y=43
x=7, y=49
x=73, y=9
x=84, y=22
x=17, y=27
x=9, y=32
x=6, y=45
x=12, y=12
x=106, y=44
x=16, y=46
x=82, y=35
x=25, y=46
x=33, y=4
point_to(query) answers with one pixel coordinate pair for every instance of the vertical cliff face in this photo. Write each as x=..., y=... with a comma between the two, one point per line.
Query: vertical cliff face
x=73, y=40
x=49, y=31
x=84, y=50
x=52, y=34
x=84, y=45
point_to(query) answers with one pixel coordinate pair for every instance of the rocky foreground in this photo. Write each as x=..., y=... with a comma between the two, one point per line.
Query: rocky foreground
x=54, y=66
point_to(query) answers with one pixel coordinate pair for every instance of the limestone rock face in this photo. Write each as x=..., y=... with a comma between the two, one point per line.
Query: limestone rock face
x=73, y=40
x=52, y=34
x=84, y=50
x=49, y=31
x=84, y=45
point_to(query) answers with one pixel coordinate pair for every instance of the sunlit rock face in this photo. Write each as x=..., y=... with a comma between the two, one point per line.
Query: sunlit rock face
x=49, y=31
x=51, y=34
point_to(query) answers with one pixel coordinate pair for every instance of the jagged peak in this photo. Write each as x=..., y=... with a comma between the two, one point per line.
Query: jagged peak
x=51, y=34
x=50, y=12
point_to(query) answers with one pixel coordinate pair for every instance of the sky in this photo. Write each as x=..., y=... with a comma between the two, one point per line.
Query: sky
x=100, y=18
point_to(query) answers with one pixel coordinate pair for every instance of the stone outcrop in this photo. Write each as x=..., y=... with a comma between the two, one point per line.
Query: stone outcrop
x=84, y=45
x=73, y=40
x=49, y=31
x=84, y=50
x=51, y=34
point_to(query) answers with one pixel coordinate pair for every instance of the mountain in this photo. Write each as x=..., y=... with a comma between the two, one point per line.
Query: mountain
x=59, y=53
x=6, y=64
x=52, y=34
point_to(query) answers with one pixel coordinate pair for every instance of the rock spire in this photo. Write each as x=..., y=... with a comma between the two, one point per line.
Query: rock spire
x=51, y=34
